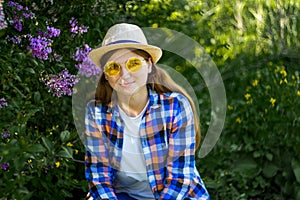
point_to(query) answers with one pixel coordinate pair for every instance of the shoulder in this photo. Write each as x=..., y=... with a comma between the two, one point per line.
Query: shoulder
x=93, y=105
x=175, y=97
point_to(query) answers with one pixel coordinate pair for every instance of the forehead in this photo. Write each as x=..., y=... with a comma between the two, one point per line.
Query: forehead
x=122, y=54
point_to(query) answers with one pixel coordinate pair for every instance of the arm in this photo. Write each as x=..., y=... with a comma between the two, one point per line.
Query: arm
x=98, y=171
x=181, y=154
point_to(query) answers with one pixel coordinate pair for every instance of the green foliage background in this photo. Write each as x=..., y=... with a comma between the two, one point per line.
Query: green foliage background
x=255, y=45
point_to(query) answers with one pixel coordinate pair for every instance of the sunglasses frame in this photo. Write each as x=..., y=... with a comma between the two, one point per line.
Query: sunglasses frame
x=126, y=65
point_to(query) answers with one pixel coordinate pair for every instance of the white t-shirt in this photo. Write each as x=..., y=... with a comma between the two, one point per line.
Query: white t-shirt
x=132, y=177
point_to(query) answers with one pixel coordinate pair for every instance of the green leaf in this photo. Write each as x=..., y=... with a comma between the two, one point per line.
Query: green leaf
x=269, y=156
x=245, y=164
x=246, y=167
x=37, y=97
x=30, y=70
x=34, y=62
x=270, y=170
x=296, y=169
x=66, y=152
x=47, y=144
x=36, y=148
x=19, y=163
x=64, y=136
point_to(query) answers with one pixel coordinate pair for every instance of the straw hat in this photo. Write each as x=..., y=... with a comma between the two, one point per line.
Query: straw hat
x=124, y=36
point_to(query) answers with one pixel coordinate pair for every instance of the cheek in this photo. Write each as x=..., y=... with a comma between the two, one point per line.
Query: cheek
x=112, y=82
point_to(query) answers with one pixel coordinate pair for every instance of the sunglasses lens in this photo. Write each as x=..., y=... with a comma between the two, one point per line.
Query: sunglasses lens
x=112, y=69
x=134, y=64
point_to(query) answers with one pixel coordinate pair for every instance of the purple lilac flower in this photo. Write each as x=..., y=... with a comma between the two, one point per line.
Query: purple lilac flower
x=82, y=53
x=52, y=32
x=75, y=29
x=28, y=14
x=3, y=103
x=82, y=29
x=17, y=21
x=12, y=4
x=19, y=7
x=61, y=84
x=40, y=47
x=14, y=39
x=57, y=57
x=5, y=166
x=73, y=22
x=85, y=66
x=40, y=32
x=3, y=23
x=18, y=24
x=88, y=69
x=5, y=134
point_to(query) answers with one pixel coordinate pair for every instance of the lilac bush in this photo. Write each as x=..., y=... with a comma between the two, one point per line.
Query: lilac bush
x=61, y=84
x=40, y=47
x=44, y=48
x=75, y=29
x=85, y=66
x=19, y=12
x=51, y=32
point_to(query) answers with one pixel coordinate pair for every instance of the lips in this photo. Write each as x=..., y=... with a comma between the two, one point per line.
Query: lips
x=126, y=84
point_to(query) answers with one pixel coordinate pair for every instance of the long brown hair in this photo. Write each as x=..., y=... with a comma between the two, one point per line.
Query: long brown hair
x=158, y=80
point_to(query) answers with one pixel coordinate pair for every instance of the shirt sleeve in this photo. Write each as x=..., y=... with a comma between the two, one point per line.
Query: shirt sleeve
x=181, y=154
x=97, y=171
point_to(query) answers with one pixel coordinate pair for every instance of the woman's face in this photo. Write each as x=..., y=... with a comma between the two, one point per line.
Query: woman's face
x=128, y=82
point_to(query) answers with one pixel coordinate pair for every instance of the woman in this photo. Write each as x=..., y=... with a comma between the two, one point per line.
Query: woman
x=142, y=129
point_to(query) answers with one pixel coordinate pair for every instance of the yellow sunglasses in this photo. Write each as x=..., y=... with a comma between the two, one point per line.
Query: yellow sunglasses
x=113, y=69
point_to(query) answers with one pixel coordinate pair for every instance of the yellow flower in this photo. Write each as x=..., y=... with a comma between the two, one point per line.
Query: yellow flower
x=283, y=72
x=229, y=107
x=238, y=120
x=155, y=25
x=247, y=96
x=29, y=161
x=57, y=164
x=272, y=101
x=258, y=75
x=249, y=101
x=298, y=93
x=284, y=80
x=255, y=83
x=69, y=144
x=76, y=151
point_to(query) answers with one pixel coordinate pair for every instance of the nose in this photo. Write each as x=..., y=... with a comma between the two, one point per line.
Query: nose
x=124, y=72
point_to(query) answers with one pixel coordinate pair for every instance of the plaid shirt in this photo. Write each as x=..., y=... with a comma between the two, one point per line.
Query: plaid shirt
x=167, y=136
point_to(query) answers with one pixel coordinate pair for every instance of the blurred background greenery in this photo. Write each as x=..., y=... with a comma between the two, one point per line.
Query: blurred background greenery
x=255, y=45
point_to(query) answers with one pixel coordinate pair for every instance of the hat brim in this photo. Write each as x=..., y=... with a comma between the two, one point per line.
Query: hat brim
x=96, y=54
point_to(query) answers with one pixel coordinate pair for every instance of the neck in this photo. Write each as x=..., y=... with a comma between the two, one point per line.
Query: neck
x=133, y=104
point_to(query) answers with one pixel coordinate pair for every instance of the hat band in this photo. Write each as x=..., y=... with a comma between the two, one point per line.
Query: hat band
x=122, y=41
